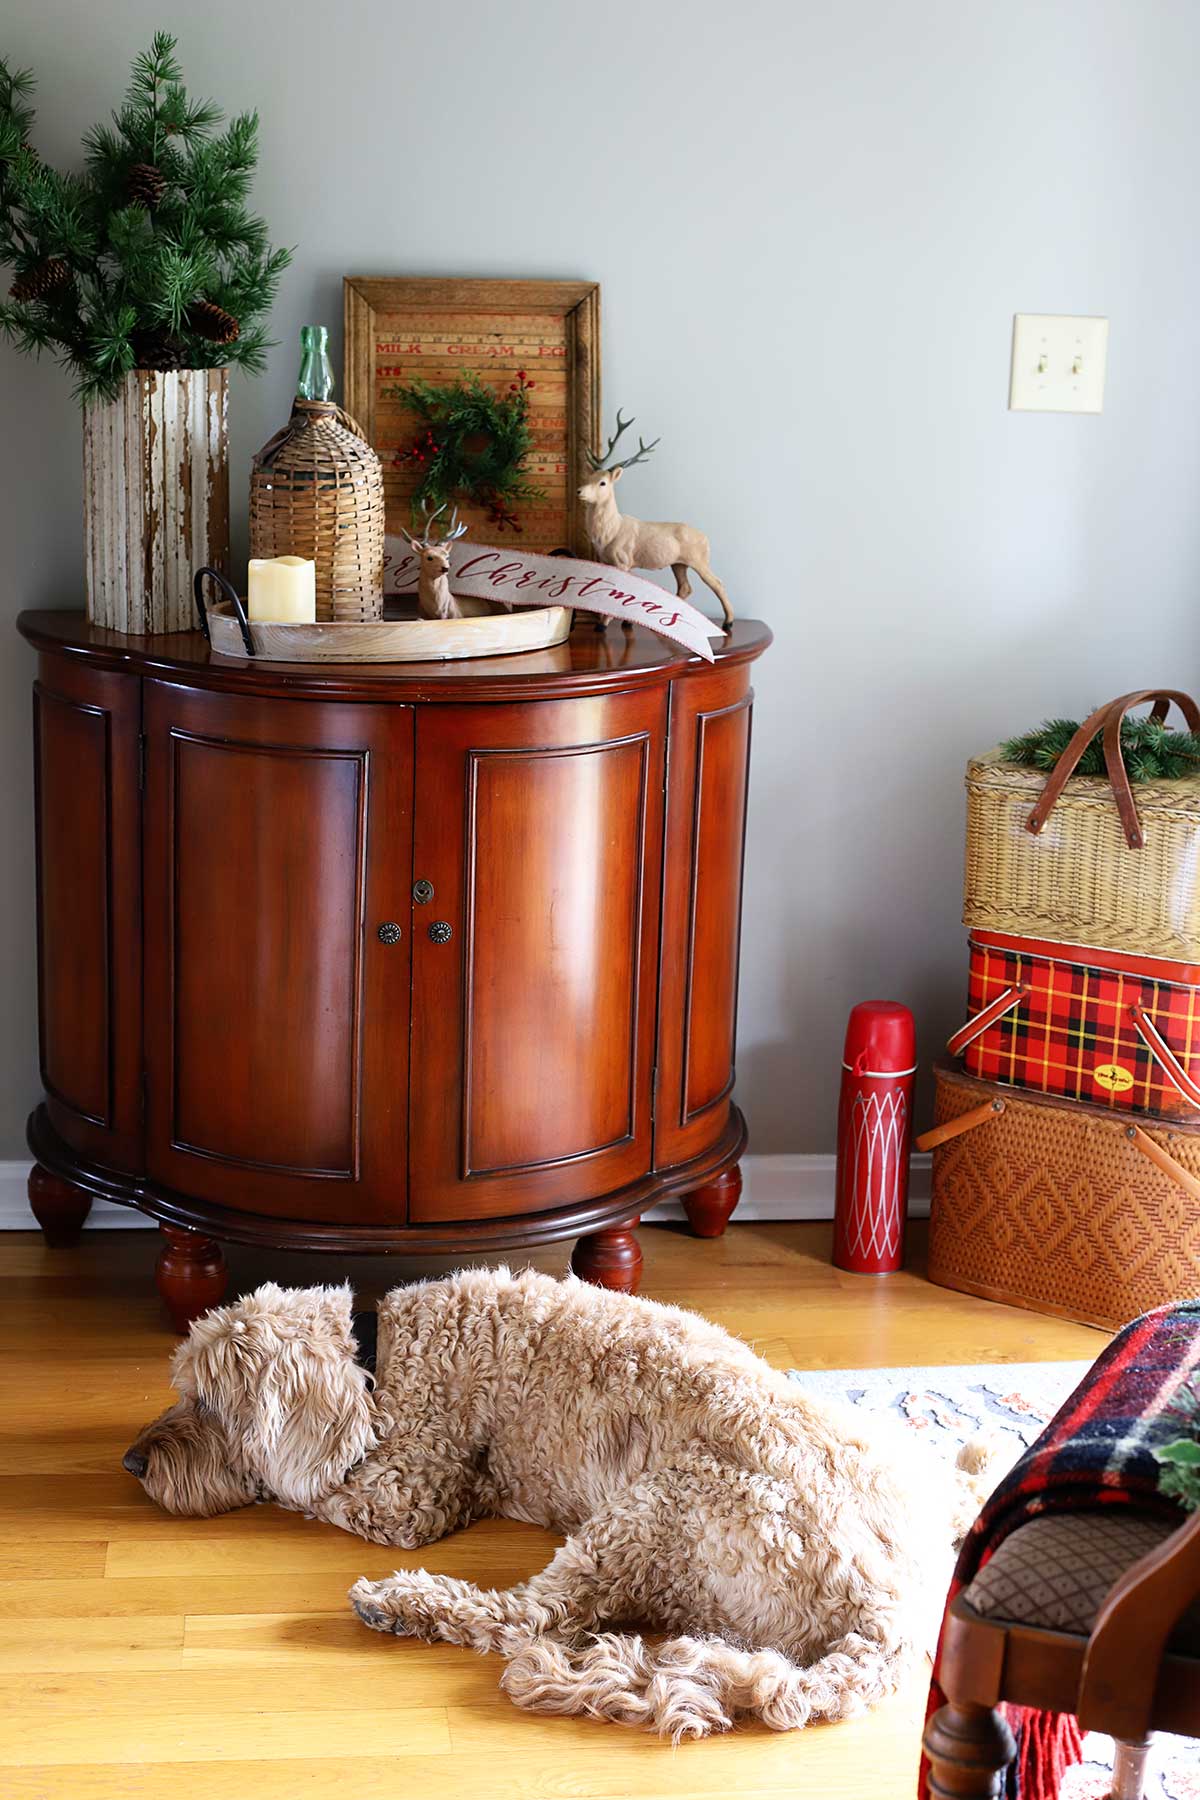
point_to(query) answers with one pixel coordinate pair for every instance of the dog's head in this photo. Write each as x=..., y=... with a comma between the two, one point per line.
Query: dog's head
x=272, y=1405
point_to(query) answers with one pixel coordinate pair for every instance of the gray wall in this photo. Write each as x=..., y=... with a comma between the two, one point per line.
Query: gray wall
x=812, y=224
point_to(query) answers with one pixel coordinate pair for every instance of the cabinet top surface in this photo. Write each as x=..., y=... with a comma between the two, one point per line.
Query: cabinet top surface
x=590, y=661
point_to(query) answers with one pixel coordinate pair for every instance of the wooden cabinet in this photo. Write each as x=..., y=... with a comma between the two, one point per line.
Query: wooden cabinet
x=278, y=842
x=428, y=958
x=540, y=830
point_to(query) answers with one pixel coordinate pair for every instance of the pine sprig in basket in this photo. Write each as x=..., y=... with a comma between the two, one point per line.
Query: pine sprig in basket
x=472, y=445
x=1152, y=751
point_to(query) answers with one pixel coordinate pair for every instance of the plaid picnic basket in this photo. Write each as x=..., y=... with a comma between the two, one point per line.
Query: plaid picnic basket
x=1121, y=1031
x=1075, y=859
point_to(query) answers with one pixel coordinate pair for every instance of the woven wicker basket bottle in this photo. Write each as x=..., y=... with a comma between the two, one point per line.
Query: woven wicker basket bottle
x=316, y=490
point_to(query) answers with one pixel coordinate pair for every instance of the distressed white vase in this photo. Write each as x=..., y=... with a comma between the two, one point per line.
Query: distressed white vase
x=155, y=497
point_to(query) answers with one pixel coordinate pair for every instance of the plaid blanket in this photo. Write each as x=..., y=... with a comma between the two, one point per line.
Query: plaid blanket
x=1096, y=1451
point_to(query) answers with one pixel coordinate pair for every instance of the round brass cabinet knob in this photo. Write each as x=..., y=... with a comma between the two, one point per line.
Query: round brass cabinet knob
x=389, y=932
x=441, y=931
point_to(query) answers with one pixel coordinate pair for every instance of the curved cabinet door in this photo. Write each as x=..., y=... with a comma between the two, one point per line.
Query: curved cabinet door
x=278, y=841
x=702, y=904
x=539, y=828
x=85, y=733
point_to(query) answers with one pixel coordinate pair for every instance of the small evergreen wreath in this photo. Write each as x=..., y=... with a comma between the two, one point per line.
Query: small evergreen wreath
x=1151, y=750
x=472, y=445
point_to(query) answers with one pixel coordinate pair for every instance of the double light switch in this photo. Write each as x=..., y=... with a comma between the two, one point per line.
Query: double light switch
x=1057, y=364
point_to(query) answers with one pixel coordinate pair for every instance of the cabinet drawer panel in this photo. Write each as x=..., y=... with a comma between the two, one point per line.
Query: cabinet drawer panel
x=554, y=894
x=267, y=978
x=714, y=907
x=709, y=760
x=278, y=842
x=86, y=732
x=74, y=816
x=539, y=828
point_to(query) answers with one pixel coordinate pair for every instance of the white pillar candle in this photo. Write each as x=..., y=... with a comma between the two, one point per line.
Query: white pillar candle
x=282, y=590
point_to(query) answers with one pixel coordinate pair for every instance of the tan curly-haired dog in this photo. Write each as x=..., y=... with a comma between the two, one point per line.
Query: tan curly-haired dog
x=700, y=1492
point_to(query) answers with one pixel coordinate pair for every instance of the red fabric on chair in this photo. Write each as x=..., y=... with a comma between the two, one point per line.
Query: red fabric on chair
x=1095, y=1452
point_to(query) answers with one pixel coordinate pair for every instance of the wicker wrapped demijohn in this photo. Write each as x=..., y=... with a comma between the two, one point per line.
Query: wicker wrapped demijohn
x=316, y=490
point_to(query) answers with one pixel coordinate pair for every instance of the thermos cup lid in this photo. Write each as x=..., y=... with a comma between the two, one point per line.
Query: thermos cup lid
x=880, y=1039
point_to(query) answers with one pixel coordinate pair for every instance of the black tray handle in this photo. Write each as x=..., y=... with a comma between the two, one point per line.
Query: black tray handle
x=232, y=595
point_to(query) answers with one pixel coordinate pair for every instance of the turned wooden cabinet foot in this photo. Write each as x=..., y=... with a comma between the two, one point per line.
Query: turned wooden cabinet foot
x=969, y=1748
x=59, y=1208
x=708, y=1208
x=190, y=1274
x=610, y=1259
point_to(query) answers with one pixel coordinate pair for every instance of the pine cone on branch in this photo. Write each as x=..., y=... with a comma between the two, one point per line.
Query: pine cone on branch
x=44, y=278
x=208, y=320
x=146, y=185
x=159, y=350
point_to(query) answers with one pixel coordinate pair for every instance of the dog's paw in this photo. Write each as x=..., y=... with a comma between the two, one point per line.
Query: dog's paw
x=365, y=1600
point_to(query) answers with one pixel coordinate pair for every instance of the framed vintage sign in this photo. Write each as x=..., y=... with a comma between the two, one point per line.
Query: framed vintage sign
x=405, y=330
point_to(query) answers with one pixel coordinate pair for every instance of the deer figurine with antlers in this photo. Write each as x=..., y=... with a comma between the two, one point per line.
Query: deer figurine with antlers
x=434, y=599
x=626, y=543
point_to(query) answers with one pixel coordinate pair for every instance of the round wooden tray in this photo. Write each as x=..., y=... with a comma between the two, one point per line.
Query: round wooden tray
x=404, y=638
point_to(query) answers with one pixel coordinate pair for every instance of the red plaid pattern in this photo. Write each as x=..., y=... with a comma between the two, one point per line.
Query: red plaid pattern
x=1072, y=1033
x=1098, y=1450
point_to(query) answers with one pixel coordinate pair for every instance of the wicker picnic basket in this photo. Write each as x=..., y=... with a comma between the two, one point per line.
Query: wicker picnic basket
x=1059, y=1206
x=1075, y=859
x=316, y=490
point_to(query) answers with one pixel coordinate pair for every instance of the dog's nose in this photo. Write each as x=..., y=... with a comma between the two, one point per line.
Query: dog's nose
x=135, y=1462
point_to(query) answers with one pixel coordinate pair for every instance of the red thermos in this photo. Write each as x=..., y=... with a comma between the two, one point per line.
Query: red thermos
x=874, y=1128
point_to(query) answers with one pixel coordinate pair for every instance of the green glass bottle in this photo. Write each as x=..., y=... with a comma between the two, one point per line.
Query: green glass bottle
x=315, y=381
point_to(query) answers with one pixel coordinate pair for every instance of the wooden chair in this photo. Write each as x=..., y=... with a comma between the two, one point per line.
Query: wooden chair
x=1094, y=1613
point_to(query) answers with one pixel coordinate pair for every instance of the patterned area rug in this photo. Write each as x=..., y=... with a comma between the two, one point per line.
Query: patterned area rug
x=959, y=1401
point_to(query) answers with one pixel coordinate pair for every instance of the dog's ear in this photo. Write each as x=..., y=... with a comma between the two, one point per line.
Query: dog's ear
x=279, y=1368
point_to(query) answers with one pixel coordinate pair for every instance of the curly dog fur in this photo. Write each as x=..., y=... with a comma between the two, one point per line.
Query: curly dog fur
x=787, y=1558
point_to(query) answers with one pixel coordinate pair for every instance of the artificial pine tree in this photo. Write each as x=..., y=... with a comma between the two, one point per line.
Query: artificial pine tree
x=1151, y=750
x=148, y=258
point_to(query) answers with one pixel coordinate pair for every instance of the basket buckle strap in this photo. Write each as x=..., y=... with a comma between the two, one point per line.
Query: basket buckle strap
x=1005, y=1002
x=1108, y=720
x=1163, y=1054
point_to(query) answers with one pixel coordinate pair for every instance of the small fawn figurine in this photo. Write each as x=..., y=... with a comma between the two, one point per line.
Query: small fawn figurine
x=626, y=543
x=434, y=599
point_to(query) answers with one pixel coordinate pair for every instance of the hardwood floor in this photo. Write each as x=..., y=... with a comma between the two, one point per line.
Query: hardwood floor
x=209, y=1658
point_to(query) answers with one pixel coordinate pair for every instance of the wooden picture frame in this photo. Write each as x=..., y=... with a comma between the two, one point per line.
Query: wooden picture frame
x=405, y=328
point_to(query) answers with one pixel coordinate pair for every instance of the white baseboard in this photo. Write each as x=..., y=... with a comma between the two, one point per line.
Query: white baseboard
x=774, y=1188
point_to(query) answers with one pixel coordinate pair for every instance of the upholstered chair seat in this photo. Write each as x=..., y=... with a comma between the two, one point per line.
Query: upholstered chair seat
x=1057, y=1571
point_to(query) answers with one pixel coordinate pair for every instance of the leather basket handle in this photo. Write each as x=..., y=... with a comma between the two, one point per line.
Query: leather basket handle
x=1108, y=720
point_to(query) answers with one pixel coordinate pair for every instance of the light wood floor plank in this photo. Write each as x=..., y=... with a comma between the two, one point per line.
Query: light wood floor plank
x=510, y=1552
x=148, y=1737
x=57, y=1642
x=397, y=1676
x=210, y=1657
x=53, y=1561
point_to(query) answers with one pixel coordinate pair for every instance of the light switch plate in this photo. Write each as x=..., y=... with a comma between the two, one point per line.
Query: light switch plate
x=1057, y=364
